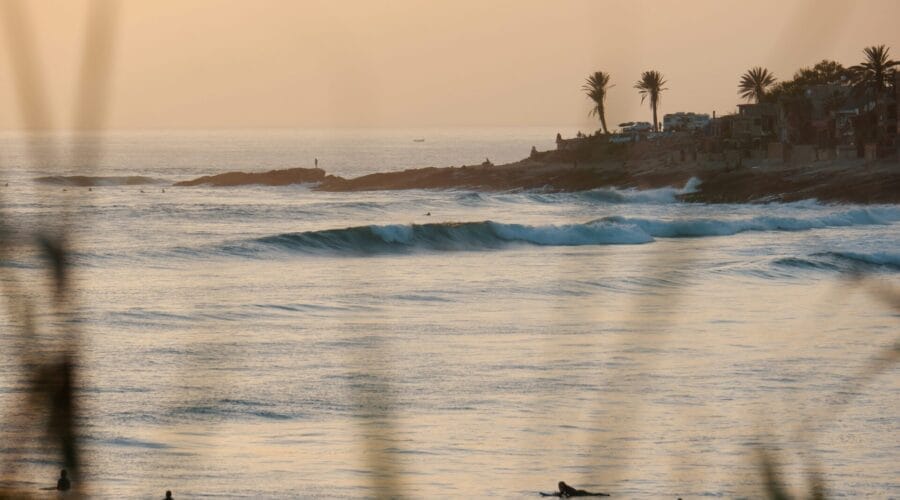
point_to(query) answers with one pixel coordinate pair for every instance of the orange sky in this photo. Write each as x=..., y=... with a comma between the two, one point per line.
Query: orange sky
x=403, y=63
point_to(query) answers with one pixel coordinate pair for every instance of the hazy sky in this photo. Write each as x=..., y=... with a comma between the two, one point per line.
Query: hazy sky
x=404, y=63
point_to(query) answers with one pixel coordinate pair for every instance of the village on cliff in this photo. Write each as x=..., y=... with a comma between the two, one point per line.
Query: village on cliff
x=824, y=113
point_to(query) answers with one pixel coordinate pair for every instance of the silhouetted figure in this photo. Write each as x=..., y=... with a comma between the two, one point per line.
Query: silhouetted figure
x=428, y=214
x=566, y=491
x=163, y=190
x=90, y=189
x=316, y=162
x=63, y=484
x=168, y=495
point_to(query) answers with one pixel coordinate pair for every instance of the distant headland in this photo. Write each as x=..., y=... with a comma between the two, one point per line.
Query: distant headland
x=828, y=133
x=723, y=180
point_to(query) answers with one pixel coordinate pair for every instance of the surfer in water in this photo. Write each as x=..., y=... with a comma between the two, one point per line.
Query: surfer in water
x=168, y=495
x=566, y=491
x=63, y=484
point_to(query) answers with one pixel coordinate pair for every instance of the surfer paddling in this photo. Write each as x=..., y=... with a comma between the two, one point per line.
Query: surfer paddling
x=566, y=491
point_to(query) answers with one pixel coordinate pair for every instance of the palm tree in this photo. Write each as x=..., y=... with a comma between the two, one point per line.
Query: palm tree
x=595, y=87
x=876, y=72
x=650, y=85
x=754, y=83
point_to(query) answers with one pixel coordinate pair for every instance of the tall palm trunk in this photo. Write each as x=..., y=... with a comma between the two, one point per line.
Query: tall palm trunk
x=603, y=120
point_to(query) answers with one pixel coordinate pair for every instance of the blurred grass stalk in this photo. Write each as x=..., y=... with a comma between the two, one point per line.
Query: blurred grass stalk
x=46, y=419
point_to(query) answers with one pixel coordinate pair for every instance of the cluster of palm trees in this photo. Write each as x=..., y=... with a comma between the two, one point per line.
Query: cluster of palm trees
x=649, y=86
x=867, y=82
x=874, y=75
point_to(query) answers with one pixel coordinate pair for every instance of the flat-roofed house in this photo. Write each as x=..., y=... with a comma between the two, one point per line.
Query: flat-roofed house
x=755, y=123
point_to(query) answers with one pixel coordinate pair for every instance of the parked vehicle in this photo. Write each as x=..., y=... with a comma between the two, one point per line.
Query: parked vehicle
x=632, y=127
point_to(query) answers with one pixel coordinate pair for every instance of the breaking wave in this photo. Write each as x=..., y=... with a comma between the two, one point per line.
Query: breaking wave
x=486, y=235
x=659, y=196
x=694, y=228
x=457, y=236
x=649, y=196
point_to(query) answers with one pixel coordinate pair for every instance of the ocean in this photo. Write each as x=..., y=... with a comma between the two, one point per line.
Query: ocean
x=278, y=342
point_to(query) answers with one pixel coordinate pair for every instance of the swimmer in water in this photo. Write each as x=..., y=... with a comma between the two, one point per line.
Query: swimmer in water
x=428, y=214
x=168, y=495
x=63, y=484
x=566, y=491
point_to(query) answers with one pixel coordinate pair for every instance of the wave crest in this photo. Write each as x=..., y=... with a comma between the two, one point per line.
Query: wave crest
x=456, y=236
x=694, y=228
x=657, y=196
x=486, y=235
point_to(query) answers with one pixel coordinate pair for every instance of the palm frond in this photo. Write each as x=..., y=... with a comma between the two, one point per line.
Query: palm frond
x=755, y=82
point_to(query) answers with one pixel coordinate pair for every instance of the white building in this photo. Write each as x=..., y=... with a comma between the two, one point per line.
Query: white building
x=682, y=121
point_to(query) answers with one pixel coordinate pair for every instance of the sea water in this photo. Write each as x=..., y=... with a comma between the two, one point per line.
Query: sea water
x=278, y=342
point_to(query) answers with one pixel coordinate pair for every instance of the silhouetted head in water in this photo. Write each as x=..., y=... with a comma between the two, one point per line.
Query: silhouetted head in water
x=63, y=484
x=565, y=489
x=168, y=495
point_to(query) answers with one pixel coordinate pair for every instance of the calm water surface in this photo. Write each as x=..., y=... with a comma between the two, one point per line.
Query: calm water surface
x=276, y=342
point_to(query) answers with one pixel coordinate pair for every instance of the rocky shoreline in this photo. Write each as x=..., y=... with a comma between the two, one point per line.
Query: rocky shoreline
x=759, y=181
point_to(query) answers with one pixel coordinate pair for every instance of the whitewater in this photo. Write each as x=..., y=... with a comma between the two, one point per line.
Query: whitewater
x=276, y=342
